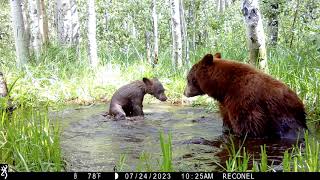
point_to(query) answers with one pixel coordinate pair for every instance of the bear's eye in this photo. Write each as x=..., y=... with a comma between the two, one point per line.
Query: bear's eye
x=194, y=81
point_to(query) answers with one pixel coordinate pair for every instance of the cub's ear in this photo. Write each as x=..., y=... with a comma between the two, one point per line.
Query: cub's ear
x=147, y=81
x=207, y=59
x=217, y=55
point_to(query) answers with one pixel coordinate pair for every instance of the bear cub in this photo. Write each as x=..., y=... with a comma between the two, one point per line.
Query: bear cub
x=127, y=100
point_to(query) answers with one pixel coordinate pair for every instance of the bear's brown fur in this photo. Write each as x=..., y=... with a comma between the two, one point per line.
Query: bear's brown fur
x=252, y=103
x=127, y=100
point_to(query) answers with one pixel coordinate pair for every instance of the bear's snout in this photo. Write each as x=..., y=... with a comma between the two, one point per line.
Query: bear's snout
x=163, y=98
x=186, y=92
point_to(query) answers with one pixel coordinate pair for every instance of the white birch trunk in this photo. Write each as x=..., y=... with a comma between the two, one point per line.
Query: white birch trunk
x=192, y=15
x=26, y=20
x=34, y=7
x=227, y=3
x=184, y=34
x=44, y=28
x=64, y=27
x=92, y=34
x=21, y=44
x=148, y=46
x=3, y=86
x=222, y=6
x=177, y=33
x=173, y=60
x=75, y=38
x=273, y=26
x=255, y=34
x=218, y=5
x=155, y=32
x=68, y=22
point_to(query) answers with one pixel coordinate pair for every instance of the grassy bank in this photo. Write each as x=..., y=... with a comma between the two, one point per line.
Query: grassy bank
x=59, y=77
x=29, y=141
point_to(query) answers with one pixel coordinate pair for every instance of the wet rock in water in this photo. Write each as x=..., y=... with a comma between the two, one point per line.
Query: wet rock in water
x=187, y=156
x=201, y=141
x=199, y=120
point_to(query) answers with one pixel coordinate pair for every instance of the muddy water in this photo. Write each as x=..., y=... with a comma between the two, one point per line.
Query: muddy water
x=92, y=142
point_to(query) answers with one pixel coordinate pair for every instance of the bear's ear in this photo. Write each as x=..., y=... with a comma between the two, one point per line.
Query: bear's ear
x=217, y=55
x=147, y=81
x=207, y=59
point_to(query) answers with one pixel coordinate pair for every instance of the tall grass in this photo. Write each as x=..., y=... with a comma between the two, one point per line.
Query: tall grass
x=166, y=149
x=149, y=163
x=29, y=141
x=301, y=158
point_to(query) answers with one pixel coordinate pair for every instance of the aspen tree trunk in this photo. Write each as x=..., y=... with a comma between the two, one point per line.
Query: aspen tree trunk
x=184, y=34
x=3, y=86
x=93, y=57
x=44, y=28
x=255, y=34
x=177, y=50
x=34, y=10
x=64, y=27
x=173, y=60
x=148, y=46
x=203, y=31
x=192, y=15
x=273, y=24
x=222, y=6
x=68, y=27
x=227, y=3
x=155, y=33
x=106, y=19
x=294, y=22
x=5, y=94
x=26, y=21
x=75, y=23
x=218, y=5
x=21, y=43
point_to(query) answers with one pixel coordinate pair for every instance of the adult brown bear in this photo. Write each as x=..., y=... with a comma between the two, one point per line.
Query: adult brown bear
x=252, y=103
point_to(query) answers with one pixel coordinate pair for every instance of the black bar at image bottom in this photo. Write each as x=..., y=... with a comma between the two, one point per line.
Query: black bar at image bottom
x=157, y=175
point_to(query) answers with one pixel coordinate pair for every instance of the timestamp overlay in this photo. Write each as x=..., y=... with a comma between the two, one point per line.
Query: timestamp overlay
x=214, y=175
x=155, y=175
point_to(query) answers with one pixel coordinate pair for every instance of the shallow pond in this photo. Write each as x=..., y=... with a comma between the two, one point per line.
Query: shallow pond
x=92, y=142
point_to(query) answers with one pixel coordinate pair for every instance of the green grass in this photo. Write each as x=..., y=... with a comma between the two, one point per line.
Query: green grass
x=29, y=141
x=303, y=159
x=166, y=149
x=299, y=159
x=149, y=163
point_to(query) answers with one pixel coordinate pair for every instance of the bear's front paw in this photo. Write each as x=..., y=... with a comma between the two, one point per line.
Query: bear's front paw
x=120, y=117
